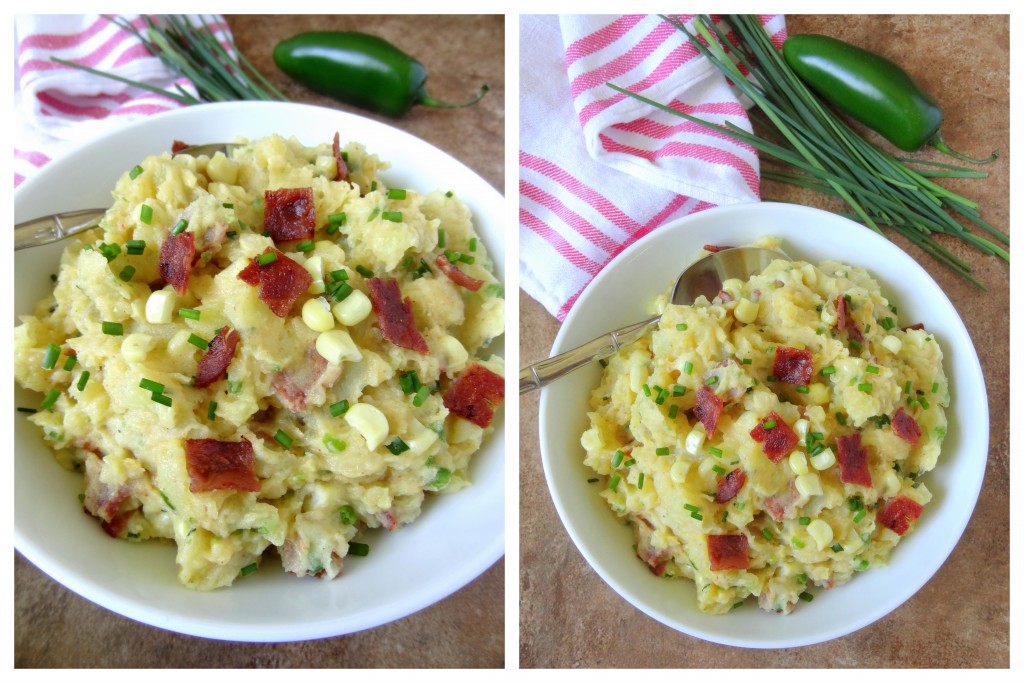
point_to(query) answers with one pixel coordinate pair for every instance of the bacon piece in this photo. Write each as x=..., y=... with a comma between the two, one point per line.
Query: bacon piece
x=289, y=213
x=116, y=526
x=475, y=395
x=841, y=312
x=905, y=426
x=777, y=441
x=793, y=366
x=179, y=146
x=303, y=384
x=724, y=296
x=708, y=409
x=214, y=465
x=456, y=275
x=727, y=552
x=394, y=315
x=915, y=326
x=280, y=283
x=730, y=485
x=387, y=520
x=713, y=248
x=853, y=460
x=342, y=166
x=176, y=254
x=899, y=513
x=217, y=357
x=782, y=505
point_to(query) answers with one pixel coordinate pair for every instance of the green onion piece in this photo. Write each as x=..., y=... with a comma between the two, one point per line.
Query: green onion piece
x=266, y=258
x=150, y=385
x=797, y=542
x=769, y=424
x=373, y=186
x=198, y=342
x=190, y=313
x=771, y=378
x=397, y=446
x=767, y=534
x=801, y=579
x=712, y=380
x=339, y=275
x=873, y=369
x=664, y=450
x=409, y=381
x=358, y=549
x=305, y=245
x=804, y=521
x=421, y=395
x=472, y=244
x=228, y=205
x=283, y=439
x=334, y=444
x=691, y=508
x=697, y=516
x=395, y=193
x=249, y=569
x=887, y=323
x=855, y=345
x=721, y=470
x=806, y=597
x=83, y=379
x=865, y=386
x=679, y=390
x=817, y=436
x=339, y=408
x=682, y=327
x=466, y=258
x=841, y=419
x=50, y=398
x=629, y=463
x=146, y=214
x=640, y=480
x=717, y=452
x=647, y=390
x=179, y=227
x=364, y=271
x=441, y=479
x=613, y=483
x=817, y=448
x=802, y=389
x=135, y=247
x=341, y=291
x=126, y=273
x=373, y=214
x=393, y=216
x=162, y=399
x=662, y=396
x=935, y=387
x=109, y=251
x=440, y=238
x=339, y=218
x=836, y=548
x=748, y=361
x=113, y=329
x=135, y=172
x=687, y=367
x=673, y=411
x=51, y=356
x=617, y=458
x=860, y=515
x=347, y=514
x=69, y=364
x=923, y=401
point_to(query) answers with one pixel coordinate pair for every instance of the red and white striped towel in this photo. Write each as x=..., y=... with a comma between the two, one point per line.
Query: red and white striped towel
x=57, y=106
x=598, y=169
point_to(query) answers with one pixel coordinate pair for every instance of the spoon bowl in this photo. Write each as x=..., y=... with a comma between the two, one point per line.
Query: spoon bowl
x=704, y=278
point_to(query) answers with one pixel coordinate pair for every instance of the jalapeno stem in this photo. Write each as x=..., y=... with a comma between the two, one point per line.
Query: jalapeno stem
x=428, y=101
x=938, y=143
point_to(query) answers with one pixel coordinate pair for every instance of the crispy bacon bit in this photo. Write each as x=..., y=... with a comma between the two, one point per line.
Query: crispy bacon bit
x=342, y=166
x=456, y=275
x=915, y=326
x=724, y=296
x=905, y=426
x=116, y=526
x=713, y=248
x=214, y=465
x=394, y=315
x=387, y=520
x=280, y=282
x=730, y=485
x=294, y=384
x=844, y=320
x=777, y=441
x=179, y=146
x=853, y=460
x=475, y=395
x=793, y=366
x=727, y=552
x=708, y=409
x=782, y=505
x=899, y=513
x=217, y=357
x=176, y=254
x=289, y=213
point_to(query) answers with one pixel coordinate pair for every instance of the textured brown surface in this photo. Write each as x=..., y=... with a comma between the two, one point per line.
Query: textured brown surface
x=570, y=618
x=55, y=628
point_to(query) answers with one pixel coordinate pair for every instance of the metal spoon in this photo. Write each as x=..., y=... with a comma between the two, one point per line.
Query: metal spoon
x=704, y=277
x=58, y=226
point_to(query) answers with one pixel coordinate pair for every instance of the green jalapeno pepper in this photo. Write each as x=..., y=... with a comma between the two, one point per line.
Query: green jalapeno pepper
x=872, y=90
x=359, y=69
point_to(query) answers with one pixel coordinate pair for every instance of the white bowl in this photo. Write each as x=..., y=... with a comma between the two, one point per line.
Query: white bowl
x=456, y=538
x=618, y=296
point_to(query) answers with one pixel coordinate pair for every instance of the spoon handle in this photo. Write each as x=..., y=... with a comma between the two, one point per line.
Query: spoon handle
x=55, y=227
x=537, y=375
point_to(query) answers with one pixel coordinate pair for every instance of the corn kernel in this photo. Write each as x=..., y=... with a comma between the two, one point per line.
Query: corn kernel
x=679, y=471
x=452, y=351
x=337, y=346
x=353, y=309
x=695, y=439
x=707, y=465
x=179, y=344
x=892, y=342
x=800, y=427
x=823, y=460
x=892, y=483
x=821, y=532
x=369, y=422
x=314, y=265
x=160, y=306
x=316, y=313
x=136, y=346
x=421, y=438
x=808, y=485
x=798, y=462
x=746, y=311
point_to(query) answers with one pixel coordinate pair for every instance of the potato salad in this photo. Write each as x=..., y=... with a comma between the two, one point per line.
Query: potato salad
x=774, y=438
x=267, y=352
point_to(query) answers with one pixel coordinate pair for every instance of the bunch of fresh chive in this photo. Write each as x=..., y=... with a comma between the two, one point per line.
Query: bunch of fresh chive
x=820, y=151
x=193, y=50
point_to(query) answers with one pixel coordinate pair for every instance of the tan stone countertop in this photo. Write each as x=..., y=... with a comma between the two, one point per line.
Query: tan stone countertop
x=570, y=618
x=54, y=627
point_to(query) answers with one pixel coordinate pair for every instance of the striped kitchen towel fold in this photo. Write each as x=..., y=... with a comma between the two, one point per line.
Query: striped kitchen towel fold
x=598, y=170
x=58, y=107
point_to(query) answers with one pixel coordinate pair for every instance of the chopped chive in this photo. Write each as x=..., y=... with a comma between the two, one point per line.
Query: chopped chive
x=340, y=218
x=190, y=313
x=146, y=214
x=806, y=597
x=682, y=327
x=50, y=399
x=640, y=480
x=83, y=379
x=393, y=216
x=663, y=450
x=617, y=458
x=725, y=516
x=841, y=419
x=771, y=378
x=266, y=258
x=679, y=390
x=364, y=271
x=472, y=244
x=687, y=367
x=797, y=542
x=802, y=389
x=647, y=390
x=109, y=251
x=113, y=329
x=395, y=193
x=817, y=448
x=135, y=247
x=51, y=356
x=421, y=395
x=179, y=227
x=30, y=411
x=836, y=548
x=397, y=446
x=211, y=412
x=249, y=569
x=865, y=386
x=198, y=342
x=613, y=483
x=373, y=214
x=358, y=549
x=162, y=399
x=804, y=521
x=923, y=401
x=697, y=516
x=126, y=273
x=673, y=411
x=339, y=408
x=860, y=515
x=769, y=424
x=69, y=364
x=449, y=194
x=593, y=480
x=334, y=444
x=721, y=470
x=409, y=382
x=908, y=387
x=717, y=452
x=817, y=436
x=767, y=534
x=855, y=345
x=629, y=463
x=347, y=515
x=935, y=387
x=341, y=291
x=283, y=439
x=887, y=323
x=712, y=380
x=691, y=508
x=662, y=395
x=339, y=275
x=150, y=385
x=135, y=172
x=440, y=238
x=748, y=361
x=305, y=245
x=373, y=186
x=801, y=579
x=228, y=205
x=873, y=369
